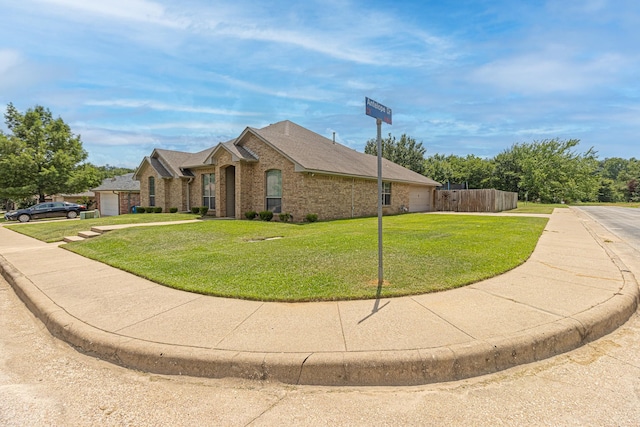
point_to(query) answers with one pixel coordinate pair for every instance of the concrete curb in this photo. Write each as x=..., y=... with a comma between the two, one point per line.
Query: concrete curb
x=368, y=368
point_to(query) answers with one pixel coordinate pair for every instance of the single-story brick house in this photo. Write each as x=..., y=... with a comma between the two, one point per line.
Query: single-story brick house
x=284, y=168
x=117, y=195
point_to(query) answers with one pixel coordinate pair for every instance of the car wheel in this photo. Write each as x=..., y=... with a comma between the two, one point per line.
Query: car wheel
x=24, y=218
x=72, y=214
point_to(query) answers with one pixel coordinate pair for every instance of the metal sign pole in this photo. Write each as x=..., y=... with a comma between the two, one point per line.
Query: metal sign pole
x=381, y=114
x=379, y=126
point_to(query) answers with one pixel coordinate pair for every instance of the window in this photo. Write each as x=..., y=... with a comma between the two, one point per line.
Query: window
x=274, y=190
x=209, y=190
x=386, y=193
x=152, y=191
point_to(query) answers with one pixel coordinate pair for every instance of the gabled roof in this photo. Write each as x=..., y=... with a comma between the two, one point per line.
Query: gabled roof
x=307, y=150
x=174, y=164
x=119, y=183
x=311, y=152
x=237, y=152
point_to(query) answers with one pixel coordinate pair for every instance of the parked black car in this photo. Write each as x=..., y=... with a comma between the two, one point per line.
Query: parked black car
x=46, y=210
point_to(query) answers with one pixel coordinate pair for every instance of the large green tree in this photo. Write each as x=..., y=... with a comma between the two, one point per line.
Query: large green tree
x=41, y=156
x=549, y=171
x=471, y=170
x=619, y=178
x=405, y=151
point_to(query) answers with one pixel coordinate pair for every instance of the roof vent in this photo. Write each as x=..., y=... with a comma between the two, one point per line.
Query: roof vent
x=334, y=137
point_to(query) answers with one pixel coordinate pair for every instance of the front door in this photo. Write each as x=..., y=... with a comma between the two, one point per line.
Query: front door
x=230, y=178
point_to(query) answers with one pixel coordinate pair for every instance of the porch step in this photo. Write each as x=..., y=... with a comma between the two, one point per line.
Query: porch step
x=88, y=234
x=69, y=239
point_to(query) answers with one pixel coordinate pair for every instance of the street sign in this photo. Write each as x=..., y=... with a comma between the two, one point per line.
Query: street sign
x=377, y=110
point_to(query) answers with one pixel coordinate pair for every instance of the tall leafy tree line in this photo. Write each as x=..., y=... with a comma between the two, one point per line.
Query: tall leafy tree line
x=551, y=170
x=40, y=156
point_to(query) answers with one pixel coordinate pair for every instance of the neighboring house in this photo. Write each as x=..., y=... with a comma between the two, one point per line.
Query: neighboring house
x=117, y=195
x=73, y=198
x=282, y=168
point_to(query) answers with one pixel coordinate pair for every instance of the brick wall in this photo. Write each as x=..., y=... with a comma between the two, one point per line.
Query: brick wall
x=330, y=197
x=170, y=193
x=127, y=201
x=222, y=159
x=254, y=181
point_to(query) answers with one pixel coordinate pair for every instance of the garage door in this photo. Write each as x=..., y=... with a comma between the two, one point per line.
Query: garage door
x=419, y=199
x=109, y=204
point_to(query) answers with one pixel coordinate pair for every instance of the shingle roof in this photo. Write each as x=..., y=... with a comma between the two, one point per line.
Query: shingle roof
x=119, y=183
x=159, y=167
x=315, y=153
x=308, y=150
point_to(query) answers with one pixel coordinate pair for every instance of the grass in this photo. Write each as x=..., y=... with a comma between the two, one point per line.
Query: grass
x=547, y=208
x=320, y=261
x=55, y=230
x=536, y=208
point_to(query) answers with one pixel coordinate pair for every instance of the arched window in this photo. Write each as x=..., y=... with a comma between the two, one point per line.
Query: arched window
x=274, y=190
x=152, y=191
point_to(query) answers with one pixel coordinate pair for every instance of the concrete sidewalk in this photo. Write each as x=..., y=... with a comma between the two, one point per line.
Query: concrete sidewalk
x=577, y=286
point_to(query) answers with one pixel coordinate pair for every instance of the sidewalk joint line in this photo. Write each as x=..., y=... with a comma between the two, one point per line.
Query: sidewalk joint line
x=250, y=315
x=442, y=318
x=344, y=338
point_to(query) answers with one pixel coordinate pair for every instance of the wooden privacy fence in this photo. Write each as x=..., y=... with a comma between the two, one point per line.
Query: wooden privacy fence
x=487, y=200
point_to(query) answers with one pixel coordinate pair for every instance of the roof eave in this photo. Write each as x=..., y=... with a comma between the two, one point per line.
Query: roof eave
x=135, y=176
x=299, y=168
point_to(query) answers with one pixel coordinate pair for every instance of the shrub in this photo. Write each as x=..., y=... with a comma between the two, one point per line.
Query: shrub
x=158, y=209
x=173, y=210
x=140, y=209
x=285, y=217
x=204, y=210
x=195, y=210
x=84, y=200
x=251, y=214
x=311, y=217
x=265, y=215
x=149, y=209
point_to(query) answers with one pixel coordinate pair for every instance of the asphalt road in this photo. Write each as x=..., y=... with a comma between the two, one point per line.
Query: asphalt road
x=623, y=222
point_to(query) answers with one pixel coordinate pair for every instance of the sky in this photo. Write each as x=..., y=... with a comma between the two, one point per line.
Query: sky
x=461, y=77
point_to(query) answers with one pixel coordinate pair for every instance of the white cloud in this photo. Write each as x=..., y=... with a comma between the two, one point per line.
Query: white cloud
x=307, y=93
x=9, y=59
x=159, y=106
x=129, y=10
x=544, y=73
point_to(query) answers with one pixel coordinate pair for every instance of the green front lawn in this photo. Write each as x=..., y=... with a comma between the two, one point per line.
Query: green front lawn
x=547, y=208
x=55, y=231
x=536, y=208
x=320, y=261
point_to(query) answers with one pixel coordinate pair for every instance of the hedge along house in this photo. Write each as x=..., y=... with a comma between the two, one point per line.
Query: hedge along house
x=283, y=168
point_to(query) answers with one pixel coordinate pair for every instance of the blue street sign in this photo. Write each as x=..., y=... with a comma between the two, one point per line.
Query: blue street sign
x=377, y=110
